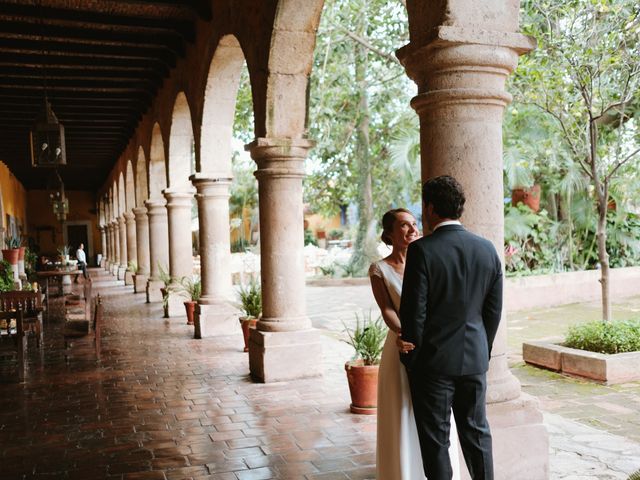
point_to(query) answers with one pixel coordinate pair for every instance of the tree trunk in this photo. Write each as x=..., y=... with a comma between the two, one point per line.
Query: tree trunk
x=602, y=194
x=365, y=248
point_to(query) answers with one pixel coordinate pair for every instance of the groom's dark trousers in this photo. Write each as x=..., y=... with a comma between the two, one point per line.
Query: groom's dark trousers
x=450, y=309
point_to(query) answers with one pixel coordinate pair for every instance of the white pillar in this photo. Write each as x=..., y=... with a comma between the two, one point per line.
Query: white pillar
x=103, y=243
x=461, y=98
x=215, y=314
x=132, y=249
x=283, y=346
x=116, y=247
x=179, y=204
x=122, y=233
x=142, y=243
x=158, y=247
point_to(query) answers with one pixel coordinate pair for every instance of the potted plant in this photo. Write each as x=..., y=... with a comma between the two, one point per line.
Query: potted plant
x=165, y=278
x=12, y=250
x=367, y=339
x=251, y=303
x=63, y=252
x=6, y=276
x=191, y=288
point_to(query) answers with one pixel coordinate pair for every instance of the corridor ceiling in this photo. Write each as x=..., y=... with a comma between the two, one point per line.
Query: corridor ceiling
x=103, y=61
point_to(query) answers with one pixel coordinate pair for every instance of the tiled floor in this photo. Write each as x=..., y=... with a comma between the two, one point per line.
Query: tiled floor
x=161, y=405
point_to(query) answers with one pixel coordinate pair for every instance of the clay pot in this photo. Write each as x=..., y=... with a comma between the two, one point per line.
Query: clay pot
x=21, y=252
x=529, y=196
x=363, y=386
x=190, y=307
x=11, y=255
x=247, y=323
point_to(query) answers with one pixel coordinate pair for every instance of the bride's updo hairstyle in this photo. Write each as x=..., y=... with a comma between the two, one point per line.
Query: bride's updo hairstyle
x=388, y=221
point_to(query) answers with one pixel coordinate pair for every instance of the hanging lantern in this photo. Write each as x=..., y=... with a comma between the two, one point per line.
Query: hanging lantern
x=47, y=140
x=57, y=199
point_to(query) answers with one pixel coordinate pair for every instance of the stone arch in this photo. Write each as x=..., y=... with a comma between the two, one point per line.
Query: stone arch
x=219, y=107
x=130, y=188
x=157, y=165
x=181, y=145
x=293, y=42
x=122, y=202
x=142, y=188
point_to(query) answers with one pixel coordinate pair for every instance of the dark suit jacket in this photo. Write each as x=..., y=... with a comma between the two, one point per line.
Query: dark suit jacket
x=451, y=302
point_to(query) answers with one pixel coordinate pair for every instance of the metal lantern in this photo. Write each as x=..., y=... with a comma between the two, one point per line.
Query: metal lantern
x=47, y=140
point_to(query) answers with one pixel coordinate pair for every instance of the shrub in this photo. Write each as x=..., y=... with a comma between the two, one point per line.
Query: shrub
x=605, y=337
x=367, y=338
x=6, y=276
x=251, y=299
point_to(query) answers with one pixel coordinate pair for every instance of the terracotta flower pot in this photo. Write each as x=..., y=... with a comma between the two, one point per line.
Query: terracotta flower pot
x=21, y=253
x=363, y=385
x=529, y=196
x=190, y=307
x=247, y=323
x=11, y=255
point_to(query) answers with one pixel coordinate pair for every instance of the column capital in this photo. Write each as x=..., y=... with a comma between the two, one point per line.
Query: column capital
x=279, y=157
x=178, y=199
x=115, y=223
x=101, y=228
x=156, y=206
x=211, y=186
x=139, y=212
x=128, y=217
x=461, y=65
x=121, y=220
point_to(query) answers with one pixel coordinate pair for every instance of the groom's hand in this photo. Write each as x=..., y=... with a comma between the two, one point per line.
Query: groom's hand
x=403, y=347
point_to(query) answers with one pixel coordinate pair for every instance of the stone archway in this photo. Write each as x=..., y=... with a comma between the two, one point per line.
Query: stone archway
x=214, y=314
x=130, y=224
x=141, y=221
x=179, y=197
x=157, y=216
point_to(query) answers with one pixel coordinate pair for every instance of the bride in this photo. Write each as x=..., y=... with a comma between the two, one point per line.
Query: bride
x=398, y=450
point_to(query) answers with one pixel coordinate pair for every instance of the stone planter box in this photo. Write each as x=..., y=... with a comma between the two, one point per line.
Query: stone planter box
x=599, y=367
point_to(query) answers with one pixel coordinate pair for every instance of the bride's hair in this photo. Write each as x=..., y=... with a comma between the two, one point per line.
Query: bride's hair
x=388, y=220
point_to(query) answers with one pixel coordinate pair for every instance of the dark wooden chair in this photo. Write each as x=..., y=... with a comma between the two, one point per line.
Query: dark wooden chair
x=31, y=304
x=13, y=341
x=75, y=330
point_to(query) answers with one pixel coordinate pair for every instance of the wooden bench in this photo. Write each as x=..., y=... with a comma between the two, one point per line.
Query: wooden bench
x=31, y=304
x=13, y=341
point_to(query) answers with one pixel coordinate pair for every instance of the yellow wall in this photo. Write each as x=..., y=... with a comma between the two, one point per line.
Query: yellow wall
x=46, y=230
x=14, y=198
x=318, y=222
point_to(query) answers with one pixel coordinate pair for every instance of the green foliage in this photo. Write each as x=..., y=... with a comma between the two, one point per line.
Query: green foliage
x=12, y=242
x=605, y=337
x=64, y=250
x=132, y=266
x=30, y=260
x=367, y=338
x=6, y=276
x=309, y=239
x=350, y=270
x=240, y=245
x=188, y=287
x=164, y=276
x=336, y=234
x=250, y=297
x=328, y=271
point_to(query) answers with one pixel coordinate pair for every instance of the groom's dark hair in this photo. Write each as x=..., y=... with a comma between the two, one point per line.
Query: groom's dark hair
x=445, y=194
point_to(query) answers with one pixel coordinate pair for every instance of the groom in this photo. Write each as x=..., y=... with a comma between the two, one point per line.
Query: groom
x=450, y=310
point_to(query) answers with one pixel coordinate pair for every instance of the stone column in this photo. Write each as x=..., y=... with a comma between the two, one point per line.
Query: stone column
x=158, y=247
x=103, y=243
x=283, y=346
x=179, y=204
x=109, y=249
x=215, y=315
x=142, y=243
x=461, y=98
x=122, y=233
x=116, y=247
x=132, y=249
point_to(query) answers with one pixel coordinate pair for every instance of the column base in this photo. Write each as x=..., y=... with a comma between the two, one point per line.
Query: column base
x=128, y=277
x=140, y=283
x=121, y=271
x=153, y=291
x=216, y=319
x=114, y=269
x=279, y=356
x=102, y=264
x=175, y=305
x=511, y=422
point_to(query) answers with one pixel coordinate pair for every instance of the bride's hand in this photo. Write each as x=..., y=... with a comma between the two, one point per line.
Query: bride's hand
x=404, y=347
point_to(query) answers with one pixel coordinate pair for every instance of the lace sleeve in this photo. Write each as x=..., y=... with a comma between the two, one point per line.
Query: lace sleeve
x=374, y=270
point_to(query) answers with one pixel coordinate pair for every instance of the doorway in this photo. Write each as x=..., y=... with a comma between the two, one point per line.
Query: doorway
x=76, y=233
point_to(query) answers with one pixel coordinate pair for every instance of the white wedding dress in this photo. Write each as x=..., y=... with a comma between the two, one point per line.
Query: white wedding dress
x=398, y=449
